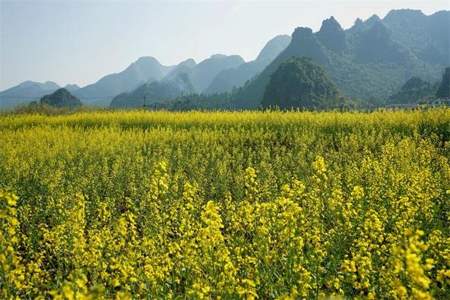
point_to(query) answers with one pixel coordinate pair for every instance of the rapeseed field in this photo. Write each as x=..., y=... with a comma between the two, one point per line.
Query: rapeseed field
x=230, y=205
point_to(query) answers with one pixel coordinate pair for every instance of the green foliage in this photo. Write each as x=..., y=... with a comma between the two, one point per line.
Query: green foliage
x=155, y=92
x=61, y=98
x=299, y=83
x=332, y=36
x=36, y=108
x=219, y=101
x=444, y=88
x=415, y=90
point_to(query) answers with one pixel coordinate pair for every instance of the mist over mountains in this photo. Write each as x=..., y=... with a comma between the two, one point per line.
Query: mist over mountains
x=370, y=61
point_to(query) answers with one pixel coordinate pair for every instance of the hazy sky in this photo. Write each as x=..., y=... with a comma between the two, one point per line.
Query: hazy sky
x=78, y=42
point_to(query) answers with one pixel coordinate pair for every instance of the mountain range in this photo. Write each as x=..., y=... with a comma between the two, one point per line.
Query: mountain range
x=370, y=61
x=155, y=92
x=148, y=69
x=208, y=76
x=101, y=92
x=226, y=80
x=217, y=74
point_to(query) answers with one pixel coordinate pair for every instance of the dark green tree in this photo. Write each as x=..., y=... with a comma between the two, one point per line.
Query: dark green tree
x=444, y=88
x=299, y=83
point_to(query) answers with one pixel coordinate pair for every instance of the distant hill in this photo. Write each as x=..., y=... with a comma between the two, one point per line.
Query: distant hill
x=143, y=70
x=428, y=37
x=226, y=80
x=61, y=98
x=71, y=87
x=299, y=83
x=148, y=69
x=25, y=92
x=185, y=67
x=186, y=78
x=202, y=74
x=369, y=61
x=155, y=92
x=413, y=91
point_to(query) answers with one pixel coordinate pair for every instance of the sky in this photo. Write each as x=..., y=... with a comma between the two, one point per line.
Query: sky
x=79, y=41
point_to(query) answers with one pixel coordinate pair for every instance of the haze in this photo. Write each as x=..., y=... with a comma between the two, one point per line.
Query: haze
x=81, y=41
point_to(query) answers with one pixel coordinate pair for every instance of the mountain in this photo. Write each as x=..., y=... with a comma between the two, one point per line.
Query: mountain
x=61, y=98
x=226, y=80
x=428, y=37
x=185, y=79
x=203, y=73
x=413, y=91
x=299, y=83
x=369, y=61
x=332, y=36
x=25, y=92
x=185, y=66
x=71, y=87
x=155, y=92
x=273, y=48
x=303, y=44
x=375, y=45
x=143, y=70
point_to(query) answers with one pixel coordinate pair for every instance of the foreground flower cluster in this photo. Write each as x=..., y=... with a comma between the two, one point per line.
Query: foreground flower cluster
x=225, y=205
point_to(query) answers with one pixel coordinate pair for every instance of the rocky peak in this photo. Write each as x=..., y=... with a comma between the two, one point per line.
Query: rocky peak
x=374, y=44
x=373, y=19
x=189, y=63
x=146, y=59
x=274, y=47
x=217, y=56
x=358, y=22
x=330, y=25
x=405, y=13
x=305, y=43
x=301, y=34
x=332, y=35
x=144, y=63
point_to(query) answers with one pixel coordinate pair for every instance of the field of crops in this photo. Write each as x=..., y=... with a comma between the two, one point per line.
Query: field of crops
x=232, y=205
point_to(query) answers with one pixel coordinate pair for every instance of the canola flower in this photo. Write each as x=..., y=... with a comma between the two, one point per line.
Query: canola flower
x=221, y=205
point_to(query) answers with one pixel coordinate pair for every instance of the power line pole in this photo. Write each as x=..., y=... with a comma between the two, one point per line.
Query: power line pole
x=144, y=101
